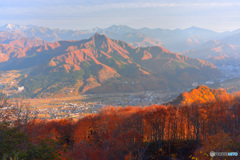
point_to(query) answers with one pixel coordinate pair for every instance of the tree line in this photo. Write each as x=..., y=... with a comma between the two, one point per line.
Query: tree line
x=152, y=132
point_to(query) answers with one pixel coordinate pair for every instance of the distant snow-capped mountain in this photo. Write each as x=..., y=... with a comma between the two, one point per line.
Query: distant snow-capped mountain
x=177, y=40
x=17, y=27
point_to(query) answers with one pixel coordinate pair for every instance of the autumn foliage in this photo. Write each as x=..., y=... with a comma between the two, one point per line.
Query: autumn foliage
x=154, y=132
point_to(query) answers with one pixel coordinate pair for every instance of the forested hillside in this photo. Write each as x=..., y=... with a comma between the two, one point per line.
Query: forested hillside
x=154, y=132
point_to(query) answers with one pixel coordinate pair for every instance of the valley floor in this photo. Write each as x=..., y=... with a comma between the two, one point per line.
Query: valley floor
x=79, y=106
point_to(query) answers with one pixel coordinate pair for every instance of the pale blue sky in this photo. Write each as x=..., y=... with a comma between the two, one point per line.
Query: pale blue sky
x=218, y=15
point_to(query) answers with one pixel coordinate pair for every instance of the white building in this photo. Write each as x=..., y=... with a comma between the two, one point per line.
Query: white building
x=209, y=82
x=195, y=84
x=20, y=89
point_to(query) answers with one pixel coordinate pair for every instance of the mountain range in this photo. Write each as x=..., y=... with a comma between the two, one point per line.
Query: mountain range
x=100, y=64
x=194, y=42
x=19, y=41
x=177, y=40
x=216, y=52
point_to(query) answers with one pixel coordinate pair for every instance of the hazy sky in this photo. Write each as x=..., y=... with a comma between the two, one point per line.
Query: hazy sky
x=218, y=15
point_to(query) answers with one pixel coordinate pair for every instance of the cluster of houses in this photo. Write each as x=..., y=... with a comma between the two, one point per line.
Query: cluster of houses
x=195, y=84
